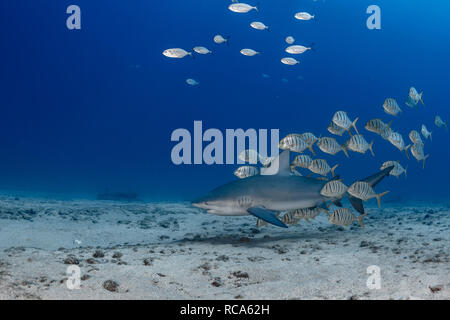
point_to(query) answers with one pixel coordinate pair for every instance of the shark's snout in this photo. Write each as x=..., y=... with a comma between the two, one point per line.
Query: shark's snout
x=202, y=205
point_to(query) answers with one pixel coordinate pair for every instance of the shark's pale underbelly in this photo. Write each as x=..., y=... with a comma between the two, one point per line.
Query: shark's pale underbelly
x=291, y=205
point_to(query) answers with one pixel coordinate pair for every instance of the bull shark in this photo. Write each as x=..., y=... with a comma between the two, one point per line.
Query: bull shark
x=275, y=190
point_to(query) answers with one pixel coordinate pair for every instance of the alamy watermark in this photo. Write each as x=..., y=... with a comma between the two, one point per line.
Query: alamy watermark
x=374, y=20
x=220, y=148
x=73, y=22
x=74, y=280
x=374, y=279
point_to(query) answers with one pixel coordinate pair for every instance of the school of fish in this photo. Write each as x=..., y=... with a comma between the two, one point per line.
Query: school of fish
x=340, y=124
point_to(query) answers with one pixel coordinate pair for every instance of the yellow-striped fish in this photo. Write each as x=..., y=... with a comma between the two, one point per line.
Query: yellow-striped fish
x=363, y=190
x=344, y=217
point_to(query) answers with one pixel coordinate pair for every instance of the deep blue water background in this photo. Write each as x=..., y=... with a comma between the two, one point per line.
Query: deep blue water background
x=77, y=117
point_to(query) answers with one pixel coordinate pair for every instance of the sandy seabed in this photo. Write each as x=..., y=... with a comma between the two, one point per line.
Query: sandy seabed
x=174, y=251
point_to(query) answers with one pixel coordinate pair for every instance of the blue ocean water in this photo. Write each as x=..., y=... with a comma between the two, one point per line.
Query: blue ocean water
x=93, y=109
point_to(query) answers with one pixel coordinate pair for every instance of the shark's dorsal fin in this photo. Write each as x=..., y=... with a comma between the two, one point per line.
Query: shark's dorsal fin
x=279, y=166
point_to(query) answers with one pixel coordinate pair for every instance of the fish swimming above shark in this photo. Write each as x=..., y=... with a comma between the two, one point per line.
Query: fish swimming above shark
x=273, y=191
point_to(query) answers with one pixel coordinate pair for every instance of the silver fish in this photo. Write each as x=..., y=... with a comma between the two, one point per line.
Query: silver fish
x=302, y=161
x=335, y=129
x=192, y=82
x=290, y=40
x=176, y=53
x=303, y=16
x=413, y=98
x=288, y=218
x=398, y=169
x=334, y=189
x=249, y=52
x=297, y=49
x=330, y=146
x=386, y=132
x=426, y=133
x=309, y=138
x=241, y=7
x=418, y=153
x=363, y=190
x=246, y=171
x=321, y=166
x=357, y=143
x=293, y=142
x=259, y=26
x=306, y=214
x=344, y=217
x=202, y=50
x=397, y=140
x=379, y=127
x=220, y=39
x=391, y=107
x=415, y=137
x=342, y=120
x=289, y=61
x=439, y=122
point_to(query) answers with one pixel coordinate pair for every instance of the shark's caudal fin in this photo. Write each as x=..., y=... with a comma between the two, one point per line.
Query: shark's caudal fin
x=279, y=166
x=373, y=180
x=266, y=215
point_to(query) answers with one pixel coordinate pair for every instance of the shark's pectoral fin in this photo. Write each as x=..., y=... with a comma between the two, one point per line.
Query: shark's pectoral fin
x=357, y=204
x=266, y=215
